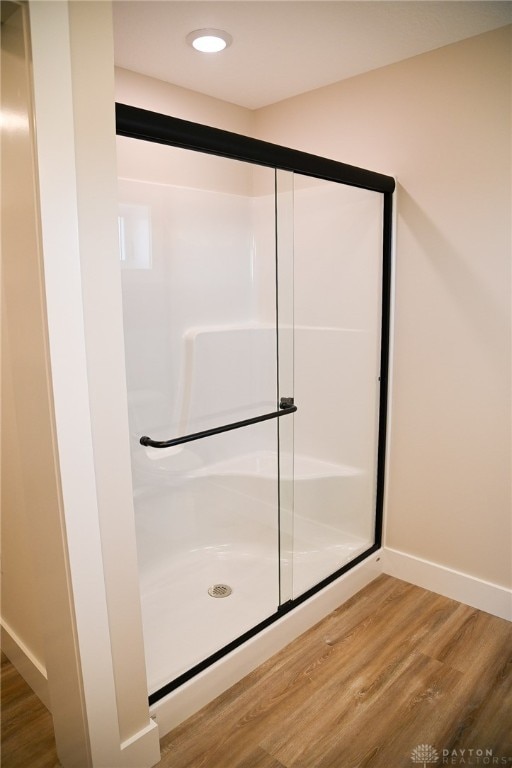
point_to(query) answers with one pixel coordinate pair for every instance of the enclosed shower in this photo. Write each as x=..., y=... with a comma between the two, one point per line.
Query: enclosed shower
x=255, y=285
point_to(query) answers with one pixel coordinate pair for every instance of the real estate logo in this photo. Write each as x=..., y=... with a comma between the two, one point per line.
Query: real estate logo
x=424, y=754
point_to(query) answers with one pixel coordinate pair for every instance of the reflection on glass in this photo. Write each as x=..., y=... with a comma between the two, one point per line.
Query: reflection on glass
x=134, y=236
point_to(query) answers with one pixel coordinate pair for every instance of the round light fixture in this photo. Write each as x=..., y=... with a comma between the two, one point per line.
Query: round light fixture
x=209, y=40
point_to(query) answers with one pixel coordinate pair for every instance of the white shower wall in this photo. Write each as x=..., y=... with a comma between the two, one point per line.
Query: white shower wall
x=185, y=285
x=201, y=267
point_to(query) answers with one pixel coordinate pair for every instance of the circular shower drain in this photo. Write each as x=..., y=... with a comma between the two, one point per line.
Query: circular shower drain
x=220, y=590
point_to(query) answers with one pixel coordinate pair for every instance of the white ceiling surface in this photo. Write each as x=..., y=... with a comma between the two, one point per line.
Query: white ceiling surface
x=285, y=47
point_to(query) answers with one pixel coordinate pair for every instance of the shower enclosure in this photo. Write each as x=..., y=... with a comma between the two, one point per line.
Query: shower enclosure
x=255, y=287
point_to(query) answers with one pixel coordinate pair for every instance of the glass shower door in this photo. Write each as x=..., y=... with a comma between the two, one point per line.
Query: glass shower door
x=198, y=258
x=249, y=292
x=331, y=243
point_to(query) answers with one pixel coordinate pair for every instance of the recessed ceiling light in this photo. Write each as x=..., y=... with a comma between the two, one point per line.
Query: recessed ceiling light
x=209, y=40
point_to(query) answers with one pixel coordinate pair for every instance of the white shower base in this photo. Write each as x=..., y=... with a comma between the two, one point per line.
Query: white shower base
x=218, y=524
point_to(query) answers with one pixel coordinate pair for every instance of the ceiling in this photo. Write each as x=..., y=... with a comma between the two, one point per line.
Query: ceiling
x=285, y=47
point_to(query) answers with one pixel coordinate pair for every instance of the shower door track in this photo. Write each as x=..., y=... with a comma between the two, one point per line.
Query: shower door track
x=137, y=123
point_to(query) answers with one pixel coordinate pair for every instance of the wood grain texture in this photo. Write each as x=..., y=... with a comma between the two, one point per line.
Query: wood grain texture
x=27, y=726
x=392, y=668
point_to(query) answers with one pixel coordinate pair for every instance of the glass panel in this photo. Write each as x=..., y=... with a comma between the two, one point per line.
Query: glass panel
x=337, y=279
x=197, y=253
x=285, y=327
x=204, y=523
x=198, y=257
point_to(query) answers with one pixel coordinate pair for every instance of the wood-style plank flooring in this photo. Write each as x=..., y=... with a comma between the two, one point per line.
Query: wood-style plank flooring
x=27, y=727
x=393, y=669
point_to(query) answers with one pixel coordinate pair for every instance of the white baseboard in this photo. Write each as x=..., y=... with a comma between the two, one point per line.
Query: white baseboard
x=32, y=671
x=142, y=749
x=463, y=587
x=206, y=686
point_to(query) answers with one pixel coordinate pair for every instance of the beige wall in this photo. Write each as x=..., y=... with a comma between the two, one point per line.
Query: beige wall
x=158, y=96
x=24, y=387
x=440, y=123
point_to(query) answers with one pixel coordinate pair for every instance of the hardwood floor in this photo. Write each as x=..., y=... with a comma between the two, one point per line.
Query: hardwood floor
x=27, y=727
x=393, y=669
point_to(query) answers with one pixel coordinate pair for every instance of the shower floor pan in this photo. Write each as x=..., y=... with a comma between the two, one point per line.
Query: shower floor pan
x=220, y=527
